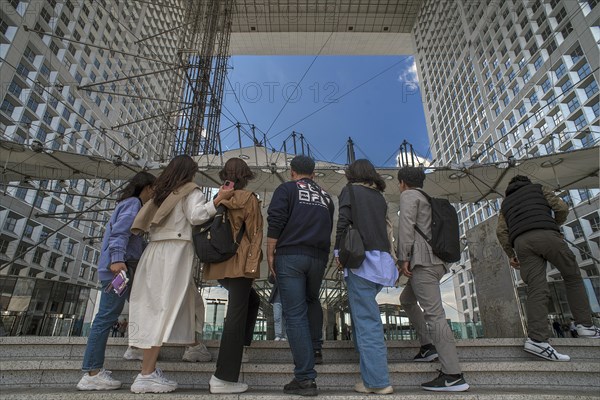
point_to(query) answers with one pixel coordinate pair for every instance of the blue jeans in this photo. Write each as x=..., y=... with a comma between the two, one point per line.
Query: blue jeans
x=299, y=278
x=368, y=331
x=109, y=309
x=278, y=320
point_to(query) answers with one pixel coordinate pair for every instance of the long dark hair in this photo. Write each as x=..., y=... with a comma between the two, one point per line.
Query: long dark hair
x=237, y=171
x=180, y=171
x=362, y=171
x=136, y=184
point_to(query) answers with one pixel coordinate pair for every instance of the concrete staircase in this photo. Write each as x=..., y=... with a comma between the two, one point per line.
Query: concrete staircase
x=49, y=368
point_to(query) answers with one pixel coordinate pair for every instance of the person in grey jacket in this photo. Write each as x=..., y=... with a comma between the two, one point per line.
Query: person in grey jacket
x=421, y=298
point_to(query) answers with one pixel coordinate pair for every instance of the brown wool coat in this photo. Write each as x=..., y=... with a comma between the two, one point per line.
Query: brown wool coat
x=243, y=207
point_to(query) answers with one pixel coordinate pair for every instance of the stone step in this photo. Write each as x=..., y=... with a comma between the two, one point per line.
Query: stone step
x=530, y=393
x=270, y=351
x=57, y=373
x=56, y=362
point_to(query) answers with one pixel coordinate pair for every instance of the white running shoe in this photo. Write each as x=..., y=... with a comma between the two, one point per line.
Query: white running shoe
x=217, y=385
x=544, y=350
x=101, y=381
x=156, y=382
x=133, y=353
x=277, y=339
x=197, y=353
x=591, y=332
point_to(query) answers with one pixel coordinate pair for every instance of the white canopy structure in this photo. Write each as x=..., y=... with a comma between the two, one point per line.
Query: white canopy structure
x=577, y=169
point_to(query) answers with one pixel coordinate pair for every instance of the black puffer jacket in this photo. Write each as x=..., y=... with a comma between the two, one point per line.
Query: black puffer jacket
x=525, y=208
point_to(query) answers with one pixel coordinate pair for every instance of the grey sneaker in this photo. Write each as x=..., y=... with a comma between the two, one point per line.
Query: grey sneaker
x=447, y=383
x=197, y=353
x=133, y=353
x=156, y=382
x=101, y=381
x=426, y=354
x=303, y=388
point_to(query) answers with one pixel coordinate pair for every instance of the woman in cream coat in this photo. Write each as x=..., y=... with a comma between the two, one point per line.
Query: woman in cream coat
x=162, y=306
x=237, y=275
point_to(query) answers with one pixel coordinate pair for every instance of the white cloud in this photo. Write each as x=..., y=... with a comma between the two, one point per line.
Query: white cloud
x=418, y=160
x=409, y=73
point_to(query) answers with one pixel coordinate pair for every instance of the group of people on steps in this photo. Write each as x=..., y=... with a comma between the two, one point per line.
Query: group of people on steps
x=166, y=307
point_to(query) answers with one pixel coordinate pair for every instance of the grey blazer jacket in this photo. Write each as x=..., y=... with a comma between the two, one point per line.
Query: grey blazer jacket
x=415, y=209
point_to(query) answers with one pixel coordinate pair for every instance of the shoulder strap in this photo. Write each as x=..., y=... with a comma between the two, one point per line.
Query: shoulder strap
x=242, y=230
x=240, y=234
x=352, y=208
x=419, y=231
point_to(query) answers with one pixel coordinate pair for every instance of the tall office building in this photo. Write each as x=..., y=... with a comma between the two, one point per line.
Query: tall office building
x=74, y=76
x=512, y=78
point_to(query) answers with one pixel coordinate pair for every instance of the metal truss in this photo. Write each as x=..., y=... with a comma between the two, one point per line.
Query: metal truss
x=194, y=130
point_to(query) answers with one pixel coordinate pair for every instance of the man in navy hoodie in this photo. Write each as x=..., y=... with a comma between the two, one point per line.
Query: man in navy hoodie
x=300, y=219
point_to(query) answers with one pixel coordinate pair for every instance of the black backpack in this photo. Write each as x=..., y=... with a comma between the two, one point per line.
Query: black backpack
x=214, y=241
x=445, y=236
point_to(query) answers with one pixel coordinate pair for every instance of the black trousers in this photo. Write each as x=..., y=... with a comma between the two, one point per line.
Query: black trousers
x=242, y=311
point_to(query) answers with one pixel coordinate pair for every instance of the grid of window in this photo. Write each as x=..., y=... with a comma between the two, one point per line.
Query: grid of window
x=525, y=60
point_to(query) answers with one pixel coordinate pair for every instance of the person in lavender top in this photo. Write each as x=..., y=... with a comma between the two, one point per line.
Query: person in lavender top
x=120, y=252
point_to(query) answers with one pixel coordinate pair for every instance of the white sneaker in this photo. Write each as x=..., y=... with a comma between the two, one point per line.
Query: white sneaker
x=544, y=350
x=361, y=388
x=156, y=382
x=101, y=381
x=197, y=353
x=133, y=353
x=277, y=339
x=245, y=356
x=217, y=385
x=591, y=332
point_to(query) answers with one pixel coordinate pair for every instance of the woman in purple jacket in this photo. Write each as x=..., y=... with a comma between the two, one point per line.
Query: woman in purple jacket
x=120, y=249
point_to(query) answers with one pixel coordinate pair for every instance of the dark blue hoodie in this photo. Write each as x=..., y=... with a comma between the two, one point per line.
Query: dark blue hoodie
x=300, y=217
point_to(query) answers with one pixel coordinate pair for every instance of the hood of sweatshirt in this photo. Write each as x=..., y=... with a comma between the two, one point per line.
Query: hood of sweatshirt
x=239, y=200
x=513, y=187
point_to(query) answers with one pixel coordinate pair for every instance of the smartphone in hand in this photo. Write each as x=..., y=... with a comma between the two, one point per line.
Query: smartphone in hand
x=118, y=284
x=228, y=185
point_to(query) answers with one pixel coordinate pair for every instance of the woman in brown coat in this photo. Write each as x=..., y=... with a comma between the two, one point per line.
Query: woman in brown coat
x=237, y=275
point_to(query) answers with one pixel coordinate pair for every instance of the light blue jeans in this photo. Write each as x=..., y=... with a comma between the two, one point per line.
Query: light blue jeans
x=299, y=278
x=109, y=309
x=278, y=320
x=368, y=331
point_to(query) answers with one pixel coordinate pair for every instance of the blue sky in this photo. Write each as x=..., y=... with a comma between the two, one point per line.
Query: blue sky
x=374, y=100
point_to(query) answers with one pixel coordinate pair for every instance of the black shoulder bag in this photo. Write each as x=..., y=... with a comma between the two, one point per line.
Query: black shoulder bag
x=352, y=249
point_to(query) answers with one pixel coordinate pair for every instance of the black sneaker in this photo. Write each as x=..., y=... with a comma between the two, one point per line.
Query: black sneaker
x=447, y=383
x=318, y=357
x=426, y=354
x=303, y=388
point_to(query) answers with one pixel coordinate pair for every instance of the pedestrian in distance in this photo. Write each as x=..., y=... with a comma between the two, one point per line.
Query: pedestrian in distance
x=278, y=320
